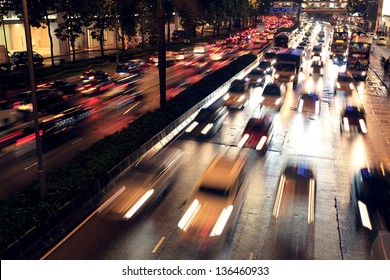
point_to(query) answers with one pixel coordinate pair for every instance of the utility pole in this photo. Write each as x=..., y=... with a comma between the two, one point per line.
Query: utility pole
x=41, y=173
x=161, y=53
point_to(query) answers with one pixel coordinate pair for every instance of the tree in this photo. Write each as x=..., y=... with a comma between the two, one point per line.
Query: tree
x=102, y=18
x=75, y=16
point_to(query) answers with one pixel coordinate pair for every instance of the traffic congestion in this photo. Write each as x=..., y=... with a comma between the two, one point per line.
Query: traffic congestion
x=281, y=166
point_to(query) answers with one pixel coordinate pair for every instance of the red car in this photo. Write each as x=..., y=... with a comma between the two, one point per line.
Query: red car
x=257, y=134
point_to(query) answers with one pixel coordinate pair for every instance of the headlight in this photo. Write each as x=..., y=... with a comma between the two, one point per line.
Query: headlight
x=190, y=214
x=364, y=73
x=346, y=124
x=207, y=128
x=363, y=126
x=268, y=69
x=317, y=108
x=243, y=140
x=226, y=97
x=192, y=126
x=259, y=80
x=261, y=143
x=277, y=101
x=138, y=204
x=292, y=77
x=364, y=216
x=338, y=85
x=351, y=86
x=300, y=106
x=276, y=76
x=222, y=220
x=242, y=97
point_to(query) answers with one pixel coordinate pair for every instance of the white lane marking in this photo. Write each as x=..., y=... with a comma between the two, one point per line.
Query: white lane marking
x=69, y=235
x=78, y=140
x=32, y=165
x=250, y=256
x=158, y=245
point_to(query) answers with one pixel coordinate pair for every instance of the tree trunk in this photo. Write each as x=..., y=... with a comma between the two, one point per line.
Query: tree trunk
x=123, y=38
x=101, y=37
x=51, y=40
x=72, y=45
x=169, y=31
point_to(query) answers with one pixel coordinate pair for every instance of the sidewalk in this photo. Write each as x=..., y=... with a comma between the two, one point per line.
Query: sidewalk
x=376, y=65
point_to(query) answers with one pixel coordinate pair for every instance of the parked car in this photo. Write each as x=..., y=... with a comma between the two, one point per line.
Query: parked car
x=21, y=57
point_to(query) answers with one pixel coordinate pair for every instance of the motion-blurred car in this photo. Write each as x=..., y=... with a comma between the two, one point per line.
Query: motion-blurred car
x=48, y=102
x=170, y=60
x=309, y=104
x=266, y=66
x=94, y=77
x=353, y=118
x=344, y=83
x=238, y=94
x=144, y=185
x=60, y=85
x=339, y=59
x=257, y=134
x=133, y=66
x=256, y=77
x=183, y=54
x=381, y=41
x=8, y=114
x=273, y=95
x=317, y=51
x=297, y=184
x=271, y=57
x=207, y=121
x=95, y=87
x=21, y=57
x=201, y=48
x=216, y=55
x=380, y=249
x=317, y=68
x=215, y=202
x=370, y=196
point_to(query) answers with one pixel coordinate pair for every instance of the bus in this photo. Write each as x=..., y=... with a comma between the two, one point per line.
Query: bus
x=359, y=56
x=282, y=40
x=339, y=44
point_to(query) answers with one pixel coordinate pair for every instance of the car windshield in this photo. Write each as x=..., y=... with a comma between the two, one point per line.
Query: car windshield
x=203, y=114
x=265, y=64
x=257, y=72
x=317, y=48
x=237, y=88
x=270, y=55
x=212, y=190
x=285, y=67
x=344, y=79
x=272, y=90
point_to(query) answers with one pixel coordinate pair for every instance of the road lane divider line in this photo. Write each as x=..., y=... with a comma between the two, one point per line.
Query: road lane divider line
x=32, y=165
x=158, y=245
x=78, y=140
x=70, y=234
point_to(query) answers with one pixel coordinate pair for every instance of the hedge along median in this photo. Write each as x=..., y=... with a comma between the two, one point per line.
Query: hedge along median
x=25, y=212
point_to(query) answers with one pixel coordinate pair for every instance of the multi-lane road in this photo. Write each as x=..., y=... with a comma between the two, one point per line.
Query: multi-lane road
x=314, y=142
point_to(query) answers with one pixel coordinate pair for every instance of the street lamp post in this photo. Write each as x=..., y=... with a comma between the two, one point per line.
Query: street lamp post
x=41, y=174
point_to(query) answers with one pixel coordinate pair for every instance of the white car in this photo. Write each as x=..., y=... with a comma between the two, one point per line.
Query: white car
x=381, y=41
x=215, y=202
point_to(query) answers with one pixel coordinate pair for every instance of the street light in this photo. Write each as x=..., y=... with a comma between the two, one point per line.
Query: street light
x=41, y=174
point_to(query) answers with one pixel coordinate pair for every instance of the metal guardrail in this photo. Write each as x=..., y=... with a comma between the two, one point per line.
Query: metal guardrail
x=36, y=242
